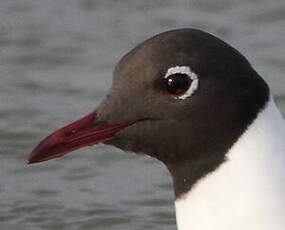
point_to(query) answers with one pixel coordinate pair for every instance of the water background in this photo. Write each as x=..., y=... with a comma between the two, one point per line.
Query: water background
x=56, y=63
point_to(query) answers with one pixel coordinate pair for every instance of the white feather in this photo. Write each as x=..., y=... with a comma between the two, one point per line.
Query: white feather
x=247, y=192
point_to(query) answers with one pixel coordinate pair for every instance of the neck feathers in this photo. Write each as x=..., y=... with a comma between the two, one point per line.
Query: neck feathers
x=247, y=191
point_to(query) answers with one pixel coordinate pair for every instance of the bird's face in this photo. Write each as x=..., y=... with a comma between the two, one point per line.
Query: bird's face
x=157, y=105
x=183, y=96
x=167, y=101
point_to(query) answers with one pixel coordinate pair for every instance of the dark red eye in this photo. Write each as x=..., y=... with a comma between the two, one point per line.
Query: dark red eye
x=177, y=84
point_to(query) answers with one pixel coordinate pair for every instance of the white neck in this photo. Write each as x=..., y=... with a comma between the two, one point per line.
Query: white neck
x=247, y=192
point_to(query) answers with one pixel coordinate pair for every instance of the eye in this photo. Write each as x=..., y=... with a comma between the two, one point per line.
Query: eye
x=177, y=84
x=180, y=82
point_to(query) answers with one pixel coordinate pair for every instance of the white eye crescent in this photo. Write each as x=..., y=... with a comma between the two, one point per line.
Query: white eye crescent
x=181, y=82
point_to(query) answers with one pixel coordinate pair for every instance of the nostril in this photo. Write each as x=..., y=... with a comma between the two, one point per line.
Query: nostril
x=97, y=121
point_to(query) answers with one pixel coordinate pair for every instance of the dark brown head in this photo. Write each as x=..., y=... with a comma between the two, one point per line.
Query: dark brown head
x=183, y=97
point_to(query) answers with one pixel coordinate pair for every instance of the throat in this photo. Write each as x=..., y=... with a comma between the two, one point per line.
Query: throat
x=246, y=191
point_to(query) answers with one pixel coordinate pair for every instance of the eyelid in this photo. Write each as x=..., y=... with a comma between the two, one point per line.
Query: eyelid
x=182, y=70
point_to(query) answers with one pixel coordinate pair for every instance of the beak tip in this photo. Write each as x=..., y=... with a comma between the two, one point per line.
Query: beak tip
x=35, y=156
x=31, y=160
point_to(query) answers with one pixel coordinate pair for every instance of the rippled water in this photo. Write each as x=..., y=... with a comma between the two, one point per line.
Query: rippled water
x=56, y=62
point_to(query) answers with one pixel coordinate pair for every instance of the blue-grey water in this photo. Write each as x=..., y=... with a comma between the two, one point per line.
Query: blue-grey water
x=56, y=63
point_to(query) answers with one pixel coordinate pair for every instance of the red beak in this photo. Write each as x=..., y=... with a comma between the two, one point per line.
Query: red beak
x=81, y=133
